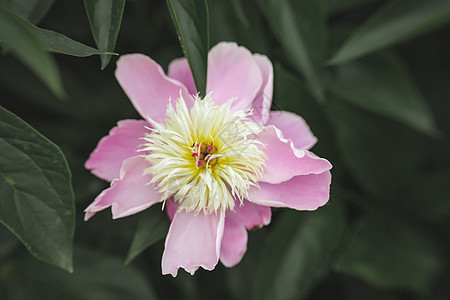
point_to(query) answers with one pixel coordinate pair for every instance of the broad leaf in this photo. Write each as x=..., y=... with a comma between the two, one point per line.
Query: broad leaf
x=191, y=20
x=105, y=17
x=8, y=242
x=395, y=22
x=153, y=226
x=382, y=84
x=380, y=155
x=339, y=6
x=298, y=252
x=32, y=10
x=26, y=44
x=389, y=253
x=36, y=198
x=434, y=188
x=97, y=276
x=300, y=27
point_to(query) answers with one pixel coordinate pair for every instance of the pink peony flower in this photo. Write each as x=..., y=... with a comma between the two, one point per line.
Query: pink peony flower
x=218, y=163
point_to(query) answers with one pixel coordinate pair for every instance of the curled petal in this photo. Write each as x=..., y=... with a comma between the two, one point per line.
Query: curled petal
x=293, y=127
x=263, y=101
x=148, y=88
x=234, y=241
x=284, y=161
x=128, y=195
x=252, y=215
x=179, y=70
x=122, y=142
x=305, y=192
x=233, y=73
x=193, y=241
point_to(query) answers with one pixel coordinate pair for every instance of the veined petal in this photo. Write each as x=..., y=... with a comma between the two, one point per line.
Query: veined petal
x=179, y=70
x=148, y=88
x=233, y=73
x=305, y=192
x=263, y=101
x=234, y=241
x=284, y=161
x=128, y=195
x=293, y=127
x=121, y=143
x=193, y=241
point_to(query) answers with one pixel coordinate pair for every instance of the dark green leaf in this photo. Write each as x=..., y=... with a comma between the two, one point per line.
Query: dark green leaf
x=382, y=84
x=8, y=242
x=32, y=10
x=191, y=19
x=246, y=29
x=152, y=227
x=36, y=198
x=20, y=38
x=390, y=253
x=395, y=22
x=298, y=252
x=59, y=43
x=105, y=17
x=300, y=27
x=97, y=276
x=428, y=195
x=339, y=6
x=380, y=155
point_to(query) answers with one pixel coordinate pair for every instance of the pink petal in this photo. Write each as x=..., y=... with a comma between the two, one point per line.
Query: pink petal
x=293, y=127
x=252, y=215
x=263, y=100
x=234, y=241
x=179, y=70
x=233, y=73
x=284, y=161
x=171, y=208
x=193, y=241
x=128, y=195
x=305, y=192
x=121, y=143
x=148, y=88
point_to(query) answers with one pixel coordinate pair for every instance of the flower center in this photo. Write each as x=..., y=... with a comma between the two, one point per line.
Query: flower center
x=204, y=154
x=205, y=158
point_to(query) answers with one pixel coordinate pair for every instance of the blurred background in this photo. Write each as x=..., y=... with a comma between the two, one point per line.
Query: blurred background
x=377, y=99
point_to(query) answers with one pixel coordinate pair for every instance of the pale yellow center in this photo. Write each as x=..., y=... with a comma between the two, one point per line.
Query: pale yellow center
x=207, y=157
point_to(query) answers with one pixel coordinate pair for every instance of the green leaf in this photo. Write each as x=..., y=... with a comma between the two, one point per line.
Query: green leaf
x=191, y=20
x=432, y=186
x=36, y=198
x=59, y=43
x=153, y=226
x=246, y=29
x=380, y=155
x=298, y=252
x=381, y=84
x=105, y=17
x=8, y=242
x=97, y=276
x=300, y=27
x=395, y=22
x=24, y=43
x=340, y=6
x=32, y=10
x=389, y=253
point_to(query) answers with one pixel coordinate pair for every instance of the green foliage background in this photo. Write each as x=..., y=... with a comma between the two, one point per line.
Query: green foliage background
x=371, y=78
